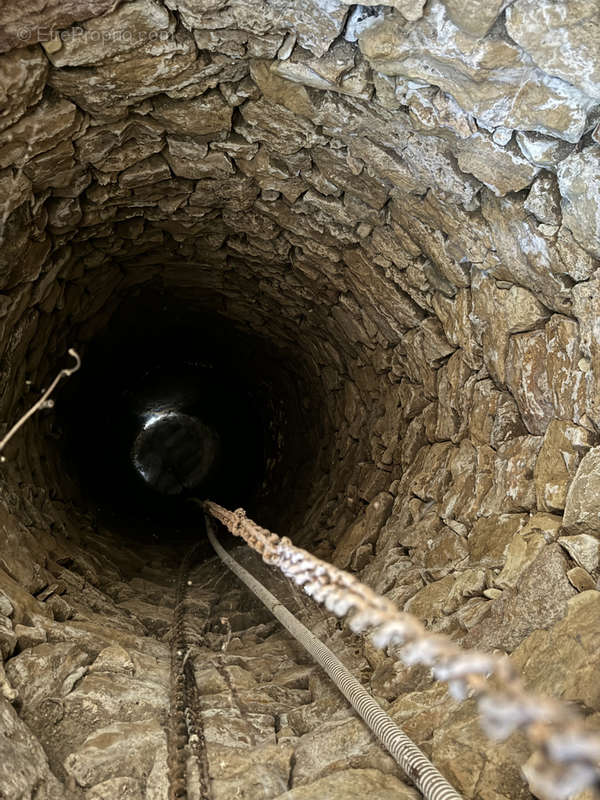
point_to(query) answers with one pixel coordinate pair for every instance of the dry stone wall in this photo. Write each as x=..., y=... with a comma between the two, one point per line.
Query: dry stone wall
x=406, y=197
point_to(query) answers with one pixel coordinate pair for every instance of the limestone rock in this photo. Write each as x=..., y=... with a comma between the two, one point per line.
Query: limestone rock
x=443, y=553
x=513, y=487
x=469, y=583
x=525, y=256
x=582, y=507
x=113, y=659
x=543, y=151
x=561, y=37
x=427, y=604
x=494, y=417
x=6, y=607
x=410, y=9
x=455, y=316
x=22, y=76
x=581, y=579
x=500, y=169
x=123, y=747
x=335, y=71
x=24, y=769
x=365, y=530
x=50, y=122
x=538, y=601
x=491, y=537
x=334, y=745
x=579, y=182
x=455, y=387
x=44, y=670
x=28, y=636
x=472, y=470
x=421, y=713
x=527, y=378
x=23, y=26
x=208, y=114
x=549, y=525
x=563, y=447
x=583, y=549
x=138, y=22
x=435, y=50
x=543, y=200
x=266, y=770
x=134, y=77
x=566, y=379
x=462, y=753
x=123, y=788
x=502, y=312
x=352, y=784
x=585, y=299
x=474, y=16
x=522, y=552
x=551, y=664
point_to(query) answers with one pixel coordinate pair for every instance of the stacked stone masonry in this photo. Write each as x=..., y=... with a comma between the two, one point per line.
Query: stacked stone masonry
x=406, y=198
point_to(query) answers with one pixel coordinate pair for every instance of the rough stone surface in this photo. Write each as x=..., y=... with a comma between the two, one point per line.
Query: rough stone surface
x=548, y=658
x=539, y=599
x=353, y=784
x=561, y=37
x=578, y=179
x=582, y=507
x=563, y=447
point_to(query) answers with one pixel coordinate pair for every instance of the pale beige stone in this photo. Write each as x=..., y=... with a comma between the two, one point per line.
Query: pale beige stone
x=491, y=537
x=113, y=659
x=523, y=255
x=502, y=312
x=538, y=601
x=566, y=379
x=582, y=508
x=22, y=76
x=24, y=768
x=365, y=530
x=353, y=784
x=543, y=200
x=114, y=34
x=583, y=549
x=204, y=115
x=494, y=416
x=550, y=663
x=428, y=603
x=474, y=16
x=579, y=183
x=513, y=487
x=435, y=51
x=563, y=447
x=522, y=552
x=499, y=169
x=122, y=746
x=527, y=379
x=581, y=579
x=461, y=752
x=562, y=38
x=26, y=25
x=123, y=788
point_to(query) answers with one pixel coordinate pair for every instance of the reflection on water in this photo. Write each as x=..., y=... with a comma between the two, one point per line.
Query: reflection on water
x=174, y=451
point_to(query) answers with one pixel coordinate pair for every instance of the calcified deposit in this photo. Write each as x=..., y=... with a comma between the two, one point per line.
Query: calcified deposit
x=399, y=206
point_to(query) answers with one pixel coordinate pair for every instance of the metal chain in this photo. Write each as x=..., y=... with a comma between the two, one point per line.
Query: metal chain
x=185, y=722
x=568, y=757
x=413, y=761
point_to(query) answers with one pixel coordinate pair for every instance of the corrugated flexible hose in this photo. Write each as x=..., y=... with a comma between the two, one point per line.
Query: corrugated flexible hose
x=415, y=764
